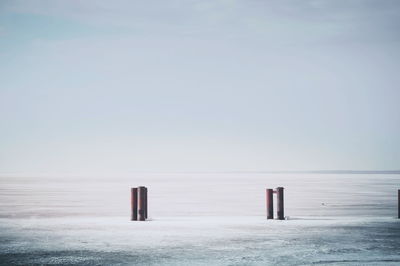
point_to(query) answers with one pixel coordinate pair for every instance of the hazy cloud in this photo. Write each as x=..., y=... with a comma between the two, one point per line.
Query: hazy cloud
x=199, y=85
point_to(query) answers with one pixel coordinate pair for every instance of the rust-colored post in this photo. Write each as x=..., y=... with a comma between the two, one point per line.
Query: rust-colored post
x=270, y=203
x=146, y=203
x=142, y=203
x=134, y=203
x=279, y=195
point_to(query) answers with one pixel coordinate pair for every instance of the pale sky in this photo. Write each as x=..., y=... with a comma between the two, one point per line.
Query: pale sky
x=216, y=85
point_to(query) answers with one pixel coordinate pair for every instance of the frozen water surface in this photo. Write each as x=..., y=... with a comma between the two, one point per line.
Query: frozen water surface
x=199, y=219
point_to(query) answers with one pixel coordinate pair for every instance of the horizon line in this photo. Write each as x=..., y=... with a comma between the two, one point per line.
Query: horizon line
x=20, y=174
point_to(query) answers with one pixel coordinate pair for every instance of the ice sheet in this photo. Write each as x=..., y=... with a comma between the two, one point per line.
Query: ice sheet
x=199, y=219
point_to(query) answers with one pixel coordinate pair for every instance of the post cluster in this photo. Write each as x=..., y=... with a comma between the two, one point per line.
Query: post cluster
x=270, y=203
x=139, y=204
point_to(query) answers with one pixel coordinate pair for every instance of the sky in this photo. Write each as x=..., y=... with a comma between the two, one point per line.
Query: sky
x=116, y=87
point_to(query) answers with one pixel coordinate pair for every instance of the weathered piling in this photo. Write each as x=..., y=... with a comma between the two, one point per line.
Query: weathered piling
x=142, y=203
x=146, y=203
x=280, y=205
x=398, y=203
x=270, y=203
x=139, y=206
x=134, y=204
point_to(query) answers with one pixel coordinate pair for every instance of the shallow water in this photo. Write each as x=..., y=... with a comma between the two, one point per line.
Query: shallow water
x=198, y=219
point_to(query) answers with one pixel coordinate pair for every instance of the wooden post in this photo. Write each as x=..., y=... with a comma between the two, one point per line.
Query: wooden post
x=142, y=203
x=270, y=203
x=279, y=195
x=134, y=203
x=398, y=203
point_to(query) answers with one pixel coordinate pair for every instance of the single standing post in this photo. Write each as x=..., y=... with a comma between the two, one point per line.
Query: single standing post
x=270, y=203
x=398, y=203
x=134, y=203
x=142, y=203
x=146, y=203
x=279, y=195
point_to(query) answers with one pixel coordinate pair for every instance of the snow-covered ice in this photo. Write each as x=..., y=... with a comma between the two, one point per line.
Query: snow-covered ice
x=199, y=219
